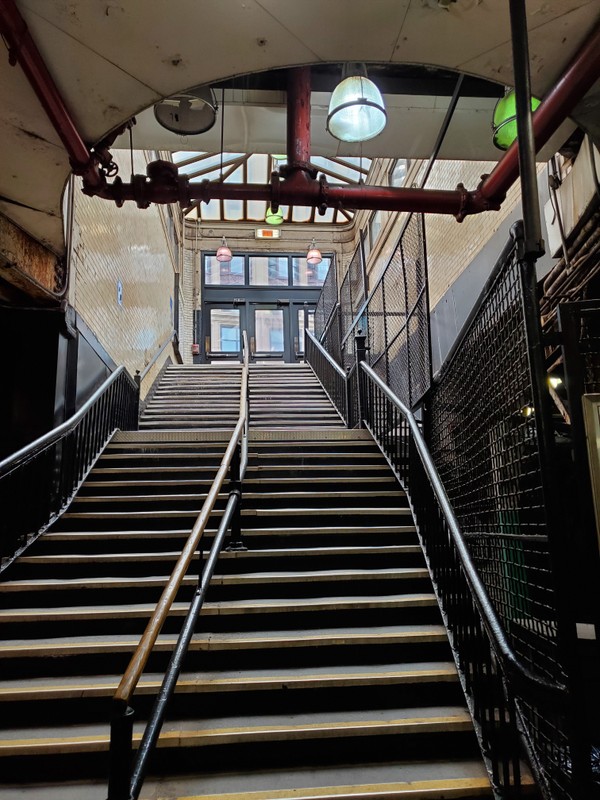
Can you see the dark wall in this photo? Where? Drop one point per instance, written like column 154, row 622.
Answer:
column 30, row 343
column 51, row 364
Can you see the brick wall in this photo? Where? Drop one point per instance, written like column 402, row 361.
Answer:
column 134, row 248
column 451, row 246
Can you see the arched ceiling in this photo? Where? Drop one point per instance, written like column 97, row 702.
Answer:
column 113, row 58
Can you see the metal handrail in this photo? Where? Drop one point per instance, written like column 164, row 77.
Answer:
column 123, row 784
column 141, row 375
column 32, row 449
column 325, row 354
column 512, row 667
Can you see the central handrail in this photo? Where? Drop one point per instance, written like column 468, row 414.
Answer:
column 507, row 657
column 121, row 783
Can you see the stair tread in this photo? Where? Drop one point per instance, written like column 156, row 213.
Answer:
column 84, row 558
column 389, row 721
column 236, row 680
column 217, row 580
column 295, row 604
column 383, row 635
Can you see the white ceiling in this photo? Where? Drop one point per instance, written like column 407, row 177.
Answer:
column 111, row 59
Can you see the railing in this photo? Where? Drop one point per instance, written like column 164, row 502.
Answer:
column 489, row 431
column 331, row 375
column 140, row 375
column 125, row 779
column 494, row 679
column 38, row 481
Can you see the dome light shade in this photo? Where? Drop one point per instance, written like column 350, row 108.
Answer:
column 313, row 257
column 274, row 217
column 224, row 253
column 188, row 113
column 504, row 124
column 356, row 110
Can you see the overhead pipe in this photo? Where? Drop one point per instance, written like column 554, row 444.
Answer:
column 299, row 186
column 23, row 50
column 574, row 83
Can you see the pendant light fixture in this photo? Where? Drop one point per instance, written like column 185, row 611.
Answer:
column 224, row 253
column 504, row 122
column 356, row 109
column 313, row 256
column 274, row 217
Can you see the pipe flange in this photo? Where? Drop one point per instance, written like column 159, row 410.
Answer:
column 138, row 185
column 465, row 197
column 323, row 195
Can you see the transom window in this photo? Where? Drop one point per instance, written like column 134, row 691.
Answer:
column 264, row 270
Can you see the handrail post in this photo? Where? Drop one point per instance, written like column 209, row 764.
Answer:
column 236, row 541
column 121, row 748
column 360, row 344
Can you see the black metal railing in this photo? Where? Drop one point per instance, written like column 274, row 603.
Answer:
column 494, row 679
column 39, row 481
column 394, row 316
column 128, row 771
column 490, row 434
column 327, row 300
column 332, row 376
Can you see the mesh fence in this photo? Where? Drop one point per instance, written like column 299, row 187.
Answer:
column 327, row 301
column 482, row 437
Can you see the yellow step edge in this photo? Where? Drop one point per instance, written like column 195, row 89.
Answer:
column 434, row 634
column 216, row 609
column 333, row 680
column 442, row 789
column 257, row 733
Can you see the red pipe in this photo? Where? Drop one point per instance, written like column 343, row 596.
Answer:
column 22, row 49
column 578, row 78
column 298, row 117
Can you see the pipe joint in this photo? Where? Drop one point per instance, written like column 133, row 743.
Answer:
column 275, row 193
column 323, row 202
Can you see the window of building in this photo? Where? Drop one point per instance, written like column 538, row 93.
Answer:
column 225, row 330
column 222, row 273
column 308, row 274
column 374, row 228
column 269, row 271
column 398, row 172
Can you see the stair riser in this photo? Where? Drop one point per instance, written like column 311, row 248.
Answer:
column 227, row 566
column 287, row 754
column 187, row 705
column 348, row 653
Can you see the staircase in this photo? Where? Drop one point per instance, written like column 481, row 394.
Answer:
column 320, row 666
column 192, row 397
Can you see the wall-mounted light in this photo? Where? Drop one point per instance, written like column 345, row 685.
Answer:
column 504, row 122
column 224, row 253
column 274, row 217
column 356, row 109
column 313, row 256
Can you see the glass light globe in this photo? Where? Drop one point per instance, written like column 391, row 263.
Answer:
column 274, row 217
column 356, row 110
column 224, row 253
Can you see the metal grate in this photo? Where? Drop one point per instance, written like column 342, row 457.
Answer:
column 327, row 301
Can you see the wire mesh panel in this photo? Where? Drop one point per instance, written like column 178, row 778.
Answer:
column 483, row 439
column 352, row 291
column 327, row 301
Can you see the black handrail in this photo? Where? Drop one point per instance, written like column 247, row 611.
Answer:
column 125, row 781
column 512, row 666
column 500, row 690
column 39, row 480
column 331, row 375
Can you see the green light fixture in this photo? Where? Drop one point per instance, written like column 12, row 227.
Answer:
column 504, row 123
column 274, row 217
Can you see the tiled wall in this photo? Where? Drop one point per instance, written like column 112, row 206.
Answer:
column 122, row 273
column 451, row 246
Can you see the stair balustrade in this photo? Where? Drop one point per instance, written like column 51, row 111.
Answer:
column 127, row 773
column 39, row 481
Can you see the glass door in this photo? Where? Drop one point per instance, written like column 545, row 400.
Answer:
column 269, row 332
column 222, row 331
column 303, row 316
